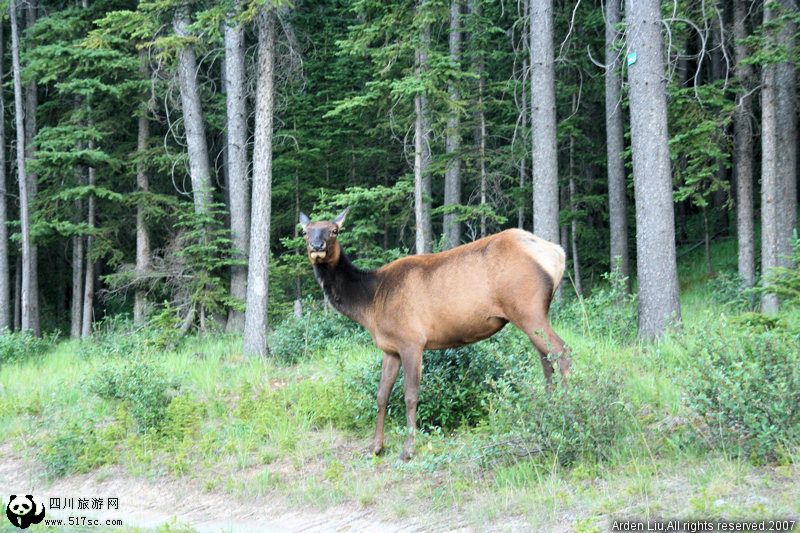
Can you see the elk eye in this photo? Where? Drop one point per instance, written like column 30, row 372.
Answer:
column 303, row 232
column 336, row 232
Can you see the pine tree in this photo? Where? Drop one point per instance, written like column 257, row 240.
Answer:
column 656, row 263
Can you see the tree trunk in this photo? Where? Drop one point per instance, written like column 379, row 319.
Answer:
column 27, row 323
column 76, row 313
column 573, row 208
column 31, row 105
column 452, row 179
column 617, row 190
column 88, row 284
column 743, row 148
column 482, row 144
column 656, row 263
column 543, row 123
column 199, row 170
column 5, row 270
column 770, row 179
column 719, row 72
column 255, row 329
column 236, row 123
column 18, row 294
column 422, row 150
column 522, row 165
column 143, row 186
column 786, row 126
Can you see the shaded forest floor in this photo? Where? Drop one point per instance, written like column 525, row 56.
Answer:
column 263, row 445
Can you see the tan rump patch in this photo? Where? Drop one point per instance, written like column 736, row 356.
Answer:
column 550, row 256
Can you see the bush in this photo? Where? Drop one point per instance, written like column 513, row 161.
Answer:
column 115, row 336
column 144, row 389
column 296, row 339
column 455, row 383
column 728, row 288
column 78, row 447
column 584, row 421
column 746, row 387
column 609, row 312
column 19, row 346
column 118, row 336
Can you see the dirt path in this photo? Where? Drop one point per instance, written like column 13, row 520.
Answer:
column 146, row 504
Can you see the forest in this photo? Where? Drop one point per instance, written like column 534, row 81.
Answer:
column 161, row 319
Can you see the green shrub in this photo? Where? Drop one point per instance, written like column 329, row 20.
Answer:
column 183, row 417
column 296, row 339
column 785, row 281
column 76, row 448
column 582, row 421
column 115, row 336
column 609, row 312
column 144, row 389
column 746, row 386
column 454, row 389
column 19, row 346
column 728, row 289
column 118, row 336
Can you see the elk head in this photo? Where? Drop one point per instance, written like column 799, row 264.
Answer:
column 321, row 238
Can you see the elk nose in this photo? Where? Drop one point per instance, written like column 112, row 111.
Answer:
column 318, row 246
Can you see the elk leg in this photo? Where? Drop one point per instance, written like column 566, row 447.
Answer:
column 412, row 373
column 546, row 342
column 389, row 370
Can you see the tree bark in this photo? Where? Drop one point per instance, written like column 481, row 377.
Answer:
column 5, row 270
column 786, row 125
column 255, row 329
column 199, row 169
column 76, row 312
column 770, row 179
column 422, row 149
column 88, row 284
column 143, row 186
column 31, row 105
column 544, row 156
column 236, row 148
column 18, row 294
column 27, row 323
column 452, row 179
column 522, row 165
column 659, row 306
column 617, row 190
column 573, row 208
column 743, row 148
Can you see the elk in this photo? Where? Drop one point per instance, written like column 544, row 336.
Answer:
column 441, row 300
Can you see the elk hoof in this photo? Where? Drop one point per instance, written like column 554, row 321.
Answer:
column 377, row 450
column 406, row 455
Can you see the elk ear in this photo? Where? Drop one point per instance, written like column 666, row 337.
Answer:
column 339, row 221
column 304, row 220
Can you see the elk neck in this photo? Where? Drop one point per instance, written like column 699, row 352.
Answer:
column 349, row 289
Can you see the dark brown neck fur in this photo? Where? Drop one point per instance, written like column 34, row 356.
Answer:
column 349, row 289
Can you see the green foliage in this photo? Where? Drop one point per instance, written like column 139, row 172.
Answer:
column 204, row 248
column 78, row 446
column 296, row 339
column 728, row 289
column 584, row 421
column 746, row 387
column 785, row 281
column 21, row 346
column 454, row 391
column 609, row 312
column 144, row 388
column 115, row 336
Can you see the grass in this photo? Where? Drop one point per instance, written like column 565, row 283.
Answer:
column 255, row 428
